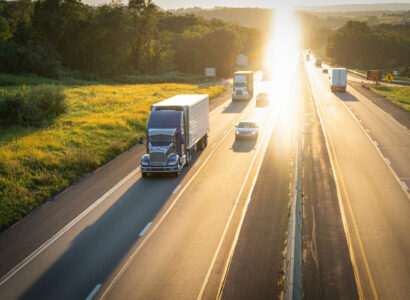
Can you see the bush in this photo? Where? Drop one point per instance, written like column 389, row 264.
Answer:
column 35, row 106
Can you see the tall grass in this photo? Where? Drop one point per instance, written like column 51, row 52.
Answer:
column 399, row 96
column 101, row 121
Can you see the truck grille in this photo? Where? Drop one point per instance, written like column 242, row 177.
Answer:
column 239, row 93
column 157, row 157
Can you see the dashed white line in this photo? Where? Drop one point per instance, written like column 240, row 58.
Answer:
column 376, row 143
column 93, row 292
column 145, row 229
column 388, row 160
column 176, row 189
column 46, row 244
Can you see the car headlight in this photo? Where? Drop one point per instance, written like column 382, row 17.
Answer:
column 145, row 160
column 172, row 160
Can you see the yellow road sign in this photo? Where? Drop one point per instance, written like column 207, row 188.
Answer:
column 389, row 77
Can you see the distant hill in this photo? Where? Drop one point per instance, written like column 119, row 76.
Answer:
column 260, row 18
column 357, row 7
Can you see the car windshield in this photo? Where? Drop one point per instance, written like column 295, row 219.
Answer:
column 247, row 125
column 161, row 138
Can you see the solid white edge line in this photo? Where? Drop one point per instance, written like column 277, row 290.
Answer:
column 50, row 241
column 359, row 122
column 159, row 222
column 205, row 282
column 145, row 229
column 93, row 292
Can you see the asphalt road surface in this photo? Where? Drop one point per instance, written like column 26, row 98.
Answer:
column 374, row 201
column 219, row 230
column 159, row 237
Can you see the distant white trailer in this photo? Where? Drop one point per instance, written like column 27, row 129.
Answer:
column 338, row 80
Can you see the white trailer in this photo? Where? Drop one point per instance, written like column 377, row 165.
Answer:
column 196, row 115
column 338, row 80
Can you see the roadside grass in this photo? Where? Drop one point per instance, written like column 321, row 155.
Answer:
column 399, row 96
column 101, row 121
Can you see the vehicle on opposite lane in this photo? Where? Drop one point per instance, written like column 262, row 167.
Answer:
column 247, row 129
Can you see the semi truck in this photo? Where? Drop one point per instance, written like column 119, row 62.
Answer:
column 242, row 85
column 318, row 63
column 176, row 128
column 338, row 79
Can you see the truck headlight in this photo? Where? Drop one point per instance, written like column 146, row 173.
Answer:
column 145, row 160
column 172, row 160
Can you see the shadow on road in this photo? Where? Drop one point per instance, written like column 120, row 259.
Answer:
column 244, row 145
column 346, row 97
column 95, row 252
column 235, row 107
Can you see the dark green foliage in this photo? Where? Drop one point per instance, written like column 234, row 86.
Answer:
column 33, row 106
column 360, row 46
column 66, row 38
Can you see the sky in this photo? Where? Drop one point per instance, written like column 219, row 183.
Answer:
column 174, row 4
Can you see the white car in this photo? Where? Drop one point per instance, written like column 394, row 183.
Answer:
column 247, row 130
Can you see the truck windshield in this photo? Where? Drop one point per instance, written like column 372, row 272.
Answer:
column 240, row 84
column 161, row 139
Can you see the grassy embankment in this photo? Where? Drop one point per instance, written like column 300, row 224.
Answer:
column 399, row 96
column 101, row 122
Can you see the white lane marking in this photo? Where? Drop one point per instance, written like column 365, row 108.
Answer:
column 367, row 130
column 145, row 229
column 388, row 160
column 233, row 122
column 176, row 189
column 375, row 143
column 162, row 218
column 213, row 146
column 225, row 131
column 264, row 147
column 406, row 192
column 405, row 185
column 93, row 292
column 40, row 249
column 44, row 246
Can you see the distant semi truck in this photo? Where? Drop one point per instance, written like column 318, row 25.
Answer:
column 338, row 80
column 242, row 85
column 307, row 57
column 318, row 63
column 176, row 128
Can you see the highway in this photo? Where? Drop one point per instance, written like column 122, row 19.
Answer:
column 220, row 229
column 370, row 157
column 160, row 237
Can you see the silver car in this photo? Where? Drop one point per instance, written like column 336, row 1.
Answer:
column 247, row 130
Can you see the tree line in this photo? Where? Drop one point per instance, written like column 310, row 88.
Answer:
column 55, row 38
column 359, row 45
